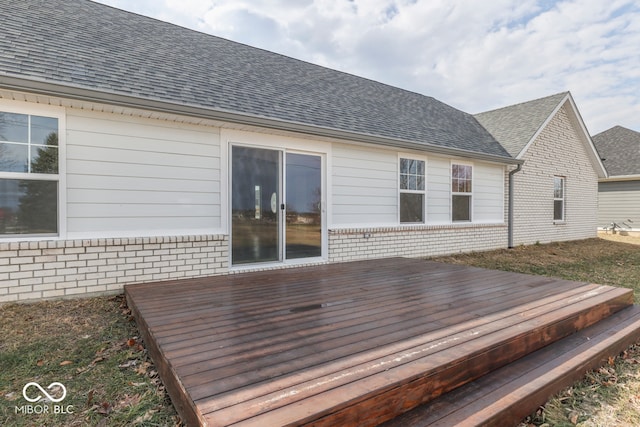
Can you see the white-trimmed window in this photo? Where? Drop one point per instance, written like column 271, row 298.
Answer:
column 461, row 192
column 29, row 175
column 558, row 198
column 412, row 190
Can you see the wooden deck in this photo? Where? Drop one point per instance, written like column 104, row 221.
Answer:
column 349, row 344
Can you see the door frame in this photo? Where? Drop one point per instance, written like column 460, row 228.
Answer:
column 284, row 144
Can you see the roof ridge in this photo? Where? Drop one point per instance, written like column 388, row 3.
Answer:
column 565, row 93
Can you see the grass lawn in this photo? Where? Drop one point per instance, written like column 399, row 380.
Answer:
column 91, row 346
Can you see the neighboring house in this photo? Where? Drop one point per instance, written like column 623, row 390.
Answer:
column 619, row 194
column 132, row 150
column 555, row 193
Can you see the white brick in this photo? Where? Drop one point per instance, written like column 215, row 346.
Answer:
column 53, row 293
column 8, row 298
column 44, row 287
column 96, row 289
column 29, row 253
column 30, row 295
column 20, row 275
column 21, row 260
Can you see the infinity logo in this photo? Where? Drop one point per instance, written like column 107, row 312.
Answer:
column 43, row 391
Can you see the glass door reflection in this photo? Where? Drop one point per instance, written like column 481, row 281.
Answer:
column 255, row 202
column 303, row 206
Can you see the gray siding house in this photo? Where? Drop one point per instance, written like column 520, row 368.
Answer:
column 619, row 194
column 133, row 150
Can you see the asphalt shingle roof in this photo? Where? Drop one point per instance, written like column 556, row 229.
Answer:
column 515, row 125
column 88, row 45
column 621, row 149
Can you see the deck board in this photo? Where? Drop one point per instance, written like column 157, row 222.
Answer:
column 319, row 344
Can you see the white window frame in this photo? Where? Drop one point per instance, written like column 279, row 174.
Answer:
column 401, row 191
column 458, row 193
column 8, row 106
column 562, row 199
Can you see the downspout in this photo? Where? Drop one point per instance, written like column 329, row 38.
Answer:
column 510, row 219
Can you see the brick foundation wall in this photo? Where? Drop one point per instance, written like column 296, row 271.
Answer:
column 55, row 269
column 418, row 241
column 35, row 270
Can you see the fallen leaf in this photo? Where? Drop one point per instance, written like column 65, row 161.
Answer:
column 90, row 397
column 140, row 347
column 573, row 417
column 137, row 384
column 97, row 359
column 105, row 408
column 142, row 369
column 128, row 364
column 131, row 342
column 146, row 417
column 612, row 360
column 66, row 362
column 40, row 362
column 130, row 400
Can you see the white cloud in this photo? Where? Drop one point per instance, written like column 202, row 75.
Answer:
column 472, row 55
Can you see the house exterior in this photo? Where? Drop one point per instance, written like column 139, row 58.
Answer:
column 132, row 150
column 555, row 192
column 619, row 193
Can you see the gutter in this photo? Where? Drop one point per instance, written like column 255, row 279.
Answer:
column 113, row 98
column 617, row 178
column 510, row 219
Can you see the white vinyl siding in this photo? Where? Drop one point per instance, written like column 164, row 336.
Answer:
column 488, row 193
column 364, row 186
column 438, row 191
column 132, row 176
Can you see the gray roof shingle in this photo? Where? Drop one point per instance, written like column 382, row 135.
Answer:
column 620, row 147
column 89, row 45
column 515, row 125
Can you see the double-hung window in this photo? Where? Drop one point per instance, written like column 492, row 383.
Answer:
column 28, row 174
column 558, row 198
column 412, row 190
column 461, row 186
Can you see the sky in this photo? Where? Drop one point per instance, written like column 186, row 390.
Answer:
column 473, row 55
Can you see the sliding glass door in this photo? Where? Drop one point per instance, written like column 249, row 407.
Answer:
column 304, row 206
column 255, row 201
column 276, row 205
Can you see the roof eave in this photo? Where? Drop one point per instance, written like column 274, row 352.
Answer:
column 106, row 97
